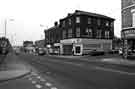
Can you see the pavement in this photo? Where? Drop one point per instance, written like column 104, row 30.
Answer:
column 11, row 69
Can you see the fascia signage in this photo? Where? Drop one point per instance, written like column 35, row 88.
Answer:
column 129, row 33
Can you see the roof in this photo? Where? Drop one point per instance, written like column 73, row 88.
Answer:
column 79, row 12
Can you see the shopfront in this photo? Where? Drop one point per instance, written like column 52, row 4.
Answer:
column 128, row 36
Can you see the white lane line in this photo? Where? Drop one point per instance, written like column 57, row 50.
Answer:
column 112, row 70
column 38, row 77
column 30, row 79
column 48, row 84
column 54, row 88
column 33, row 82
column 43, row 80
column 38, row 86
column 73, row 63
column 35, row 74
column 48, row 72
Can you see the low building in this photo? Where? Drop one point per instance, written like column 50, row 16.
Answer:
column 40, row 43
column 28, row 46
column 80, row 32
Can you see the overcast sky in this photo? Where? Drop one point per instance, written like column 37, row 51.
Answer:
column 27, row 15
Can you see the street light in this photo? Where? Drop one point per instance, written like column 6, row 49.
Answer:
column 5, row 22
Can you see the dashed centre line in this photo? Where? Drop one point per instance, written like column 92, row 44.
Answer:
column 38, row 86
column 48, row 84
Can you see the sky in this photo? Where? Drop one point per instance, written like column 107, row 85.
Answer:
column 25, row 17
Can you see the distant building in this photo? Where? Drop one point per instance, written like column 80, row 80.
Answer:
column 40, row 43
column 28, row 46
column 81, row 32
column 128, row 25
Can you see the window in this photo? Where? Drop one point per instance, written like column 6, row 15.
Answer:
column 89, row 20
column 112, row 24
column 99, row 33
column 64, row 34
column 98, row 22
column 107, row 33
column 107, row 23
column 63, row 24
column 88, row 32
column 69, row 33
column 78, row 32
column 69, row 21
column 77, row 19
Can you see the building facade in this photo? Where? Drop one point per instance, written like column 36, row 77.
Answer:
column 80, row 32
column 128, row 25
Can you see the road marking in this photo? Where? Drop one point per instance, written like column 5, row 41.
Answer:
column 113, row 70
column 33, row 82
column 30, row 78
column 48, row 84
column 73, row 63
column 38, row 77
column 38, row 86
column 54, row 88
column 48, row 72
column 43, row 80
column 35, row 74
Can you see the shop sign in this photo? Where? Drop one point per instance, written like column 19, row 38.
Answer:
column 129, row 33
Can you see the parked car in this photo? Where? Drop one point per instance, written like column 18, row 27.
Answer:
column 41, row 51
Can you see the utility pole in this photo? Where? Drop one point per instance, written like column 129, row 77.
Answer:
column 5, row 27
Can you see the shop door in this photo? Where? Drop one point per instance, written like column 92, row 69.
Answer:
column 67, row 49
column 77, row 50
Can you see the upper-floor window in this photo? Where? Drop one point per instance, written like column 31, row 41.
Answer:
column 88, row 32
column 64, row 34
column 69, row 21
column 89, row 20
column 99, row 33
column 77, row 32
column 133, row 18
column 107, row 23
column 98, row 22
column 107, row 34
column 77, row 19
column 112, row 24
column 69, row 33
column 63, row 24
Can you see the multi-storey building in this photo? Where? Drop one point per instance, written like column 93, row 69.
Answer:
column 128, row 25
column 80, row 32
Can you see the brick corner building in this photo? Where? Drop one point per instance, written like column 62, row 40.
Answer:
column 128, row 26
column 80, row 32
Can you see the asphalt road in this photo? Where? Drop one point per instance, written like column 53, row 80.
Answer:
column 70, row 74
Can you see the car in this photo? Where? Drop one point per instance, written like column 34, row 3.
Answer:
column 41, row 51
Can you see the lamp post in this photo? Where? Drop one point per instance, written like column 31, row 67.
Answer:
column 5, row 23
